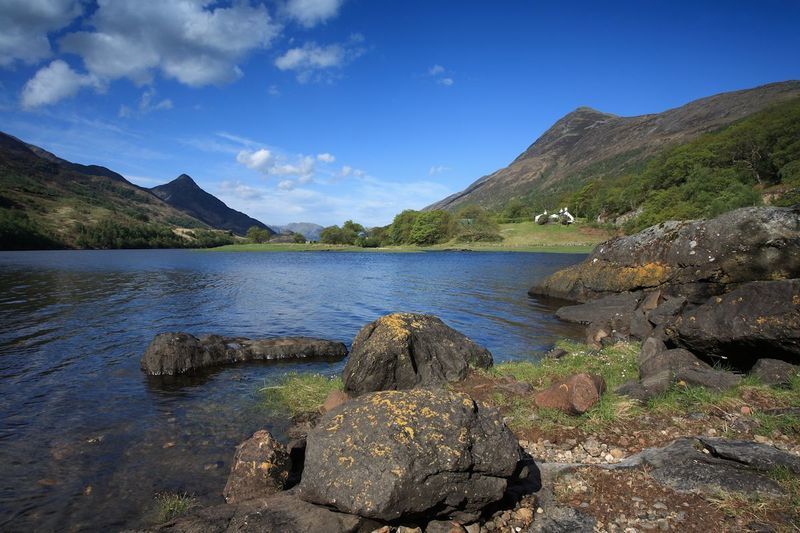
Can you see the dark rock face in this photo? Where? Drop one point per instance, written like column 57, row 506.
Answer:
column 178, row 353
column 602, row 310
column 574, row 395
column 409, row 454
column 260, row 468
column 710, row 465
column 283, row 512
column 699, row 376
column 774, row 371
column 696, row 259
column 755, row 320
column 407, row 350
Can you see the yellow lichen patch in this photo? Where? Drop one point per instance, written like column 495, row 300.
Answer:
column 265, row 465
column 336, row 423
column 379, row 450
column 397, row 325
column 796, row 299
column 346, row 461
column 397, row 471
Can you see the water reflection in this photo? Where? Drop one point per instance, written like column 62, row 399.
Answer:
column 86, row 439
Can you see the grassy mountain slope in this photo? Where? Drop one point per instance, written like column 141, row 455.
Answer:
column 185, row 195
column 588, row 145
column 46, row 202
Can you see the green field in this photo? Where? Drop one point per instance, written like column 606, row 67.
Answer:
column 520, row 237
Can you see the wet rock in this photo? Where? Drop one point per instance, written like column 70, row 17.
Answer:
column 178, row 353
column 774, row 371
column 283, row 512
column 260, row 468
column 406, row 454
column 574, row 395
column 335, row 399
column 696, row 259
column 407, row 350
column 717, row 380
column 710, row 465
column 755, row 319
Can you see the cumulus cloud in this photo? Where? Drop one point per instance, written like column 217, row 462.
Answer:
column 286, row 185
column 260, row 160
column 147, row 104
column 436, row 69
column 447, row 82
column 326, row 158
column 303, row 168
column 346, row 171
column 309, row 13
column 190, row 41
column 311, row 61
column 240, row 190
column 24, row 25
column 53, row 83
column 441, row 75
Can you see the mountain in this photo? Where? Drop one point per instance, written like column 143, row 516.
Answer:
column 587, row 144
column 185, row 195
column 308, row 230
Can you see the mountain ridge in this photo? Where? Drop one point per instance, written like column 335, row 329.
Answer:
column 586, row 137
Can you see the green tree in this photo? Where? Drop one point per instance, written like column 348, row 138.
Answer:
column 474, row 224
column 430, row 227
column 257, row 235
column 298, row 238
column 400, row 230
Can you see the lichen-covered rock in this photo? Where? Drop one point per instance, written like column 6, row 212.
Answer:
column 178, row 353
column 755, row 320
column 407, row 350
column 415, row 453
column 260, row 468
column 696, row 259
column 574, row 395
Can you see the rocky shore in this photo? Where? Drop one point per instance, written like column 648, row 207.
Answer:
column 680, row 412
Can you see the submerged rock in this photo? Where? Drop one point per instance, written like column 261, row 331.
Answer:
column 574, row 395
column 696, row 259
column 260, row 468
column 410, row 454
column 178, row 353
column 407, row 350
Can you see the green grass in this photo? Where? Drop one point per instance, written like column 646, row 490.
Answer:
column 300, row 393
column 617, row 364
column 171, row 505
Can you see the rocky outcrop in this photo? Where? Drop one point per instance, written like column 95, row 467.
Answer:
column 178, row 353
column 407, row 350
column 775, row 372
column 710, row 465
column 696, row 259
column 759, row 319
column 260, row 468
column 573, row 395
column 405, row 454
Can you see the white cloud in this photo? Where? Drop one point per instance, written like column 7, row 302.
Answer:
column 447, row 82
column 147, row 105
column 53, row 83
column 437, row 169
column 312, row 12
column 241, row 190
column 273, row 90
column 286, row 185
column 260, row 160
column 303, row 168
column 187, row 40
column 436, row 69
column 24, row 25
column 313, row 62
column 441, row 75
column 326, row 158
column 346, row 171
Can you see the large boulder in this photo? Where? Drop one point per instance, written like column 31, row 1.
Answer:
column 696, row 259
column 178, row 353
column 407, row 350
column 260, row 467
column 409, row 454
column 759, row 319
column 775, row 372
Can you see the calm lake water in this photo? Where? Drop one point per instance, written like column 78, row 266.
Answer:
column 87, row 440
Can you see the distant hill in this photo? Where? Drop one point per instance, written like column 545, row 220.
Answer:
column 588, row 145
column 185, row 195
column 308, row 230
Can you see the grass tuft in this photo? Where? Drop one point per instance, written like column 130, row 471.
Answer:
column 171, row 505
column 300, row 393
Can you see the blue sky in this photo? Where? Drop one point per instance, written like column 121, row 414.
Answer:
column 323, row 110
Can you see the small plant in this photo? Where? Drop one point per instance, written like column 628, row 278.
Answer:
column 300, row 393
column 171, row 505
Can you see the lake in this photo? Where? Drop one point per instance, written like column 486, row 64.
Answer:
column 87, row 440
